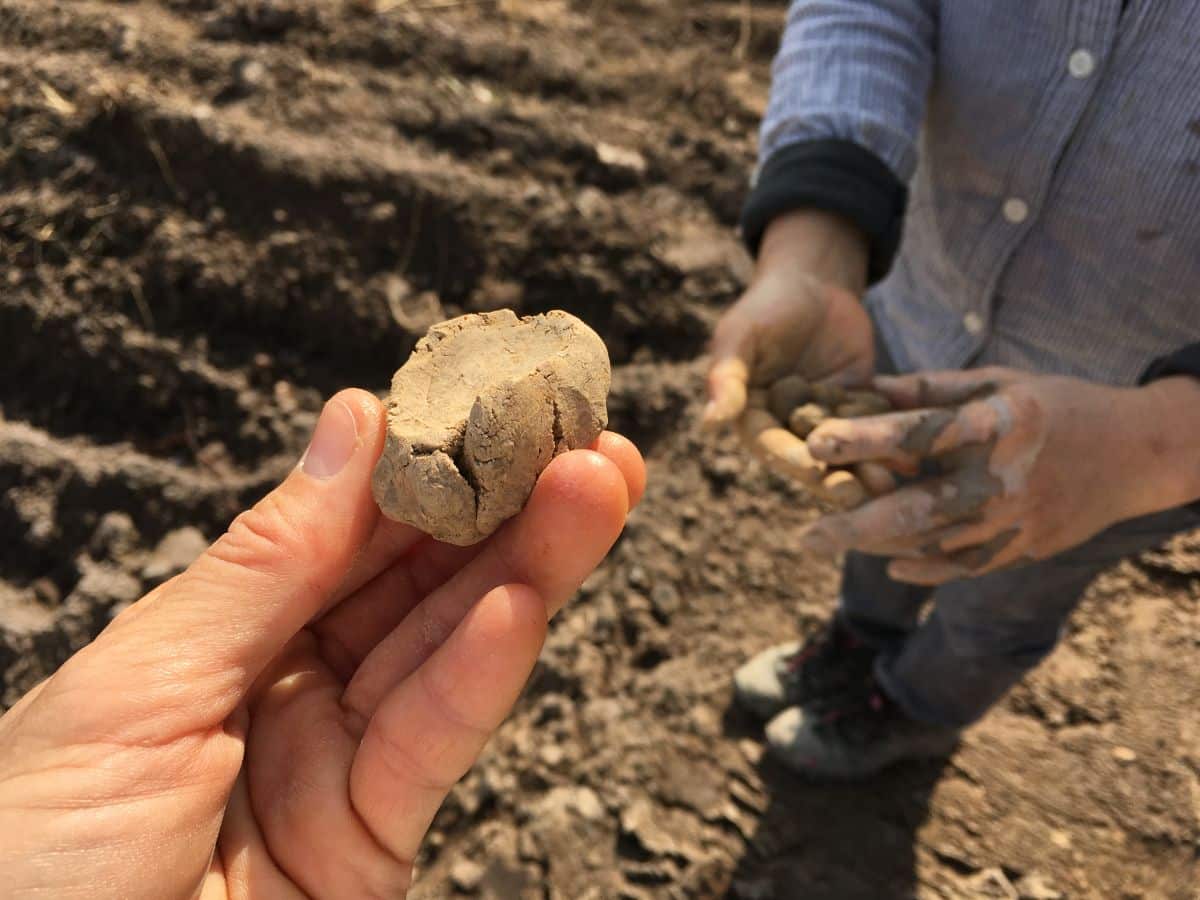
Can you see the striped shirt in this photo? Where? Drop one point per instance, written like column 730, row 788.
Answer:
column 1052, row 150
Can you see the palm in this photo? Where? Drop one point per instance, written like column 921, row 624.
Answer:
column 787, row 322
column 815, row 329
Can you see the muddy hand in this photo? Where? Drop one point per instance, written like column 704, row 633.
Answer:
column 285, row 717
column 1029, row 466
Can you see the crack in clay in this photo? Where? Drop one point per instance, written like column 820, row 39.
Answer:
column 463, row 466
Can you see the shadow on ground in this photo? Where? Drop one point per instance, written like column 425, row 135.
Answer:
column 832, row 841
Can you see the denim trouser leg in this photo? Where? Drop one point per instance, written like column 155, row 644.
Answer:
column 984, row 633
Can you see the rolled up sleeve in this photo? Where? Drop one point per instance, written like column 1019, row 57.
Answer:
column 840, row 133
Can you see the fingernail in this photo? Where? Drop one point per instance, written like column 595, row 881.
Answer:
column 885, row 381
column 819, row 445
column 333, row 442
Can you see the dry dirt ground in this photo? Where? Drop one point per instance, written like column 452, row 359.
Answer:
column 215, row 212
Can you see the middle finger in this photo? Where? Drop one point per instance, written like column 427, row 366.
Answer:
column 901, row 517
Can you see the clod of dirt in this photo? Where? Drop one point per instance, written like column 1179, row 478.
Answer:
column 249, row 75
column 174, row 553
column 479, row 410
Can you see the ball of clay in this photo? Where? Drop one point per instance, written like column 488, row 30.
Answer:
column 786, row 394
column 479, row 410
column 803, row 420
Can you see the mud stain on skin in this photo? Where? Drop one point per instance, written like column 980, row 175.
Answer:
column 921, row 437
column 977, row 558
column 973, row 485
column 927, row 396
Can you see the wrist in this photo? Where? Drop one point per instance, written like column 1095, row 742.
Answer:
column 1163, row 468
column 822, row 244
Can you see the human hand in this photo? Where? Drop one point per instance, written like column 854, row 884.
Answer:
column 285, row 717
column 800, row 315
column 1030, row 465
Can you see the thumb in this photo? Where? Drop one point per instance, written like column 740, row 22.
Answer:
column 729, row 373
column 237, row 606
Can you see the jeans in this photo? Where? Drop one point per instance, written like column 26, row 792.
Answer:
column 982, row 634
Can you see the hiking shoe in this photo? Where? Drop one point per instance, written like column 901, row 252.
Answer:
column 830, row 663
column 860, row 736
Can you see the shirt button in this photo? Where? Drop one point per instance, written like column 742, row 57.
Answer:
column 973, row 323
column 1016, row 210
column 1081, row 64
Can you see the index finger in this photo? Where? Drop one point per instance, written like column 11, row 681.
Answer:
column 904, row 515
column 909, row 435
column 951, row 388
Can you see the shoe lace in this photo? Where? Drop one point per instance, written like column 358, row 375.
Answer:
column 858, row 720
column 808, row 665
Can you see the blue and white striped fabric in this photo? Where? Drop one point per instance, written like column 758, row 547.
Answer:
column 1053, row 154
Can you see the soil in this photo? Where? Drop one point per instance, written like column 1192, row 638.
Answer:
column 214, row 213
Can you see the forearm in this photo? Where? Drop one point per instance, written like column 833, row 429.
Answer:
column 824, row 245
column 1164, row 444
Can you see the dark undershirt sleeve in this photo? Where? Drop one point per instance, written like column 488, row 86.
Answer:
column 833, row 176
column 1185, row 361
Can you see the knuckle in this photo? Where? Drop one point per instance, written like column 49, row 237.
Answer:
column 273, row 533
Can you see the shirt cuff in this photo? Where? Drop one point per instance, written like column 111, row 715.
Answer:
column 1181, row 362
column 834, row 176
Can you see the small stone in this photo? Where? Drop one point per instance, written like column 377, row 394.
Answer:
column 174, row 553
column 1124, row 755
column 1034, row 886
column 844, row 489
column 587, row 803
column 828, row 395
column 638, row 579
column 804, row 419
column 466, row 875
column 705, row 720
column 115, row 536
column 551, row 755
column 249, row 75
column 622, row 158
column 991, row 883
column 665, row 599
column 124, row 42
column 106, row 586
column 786, row 394
column 724, row 469
column 640, row 821
column 479, row 410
